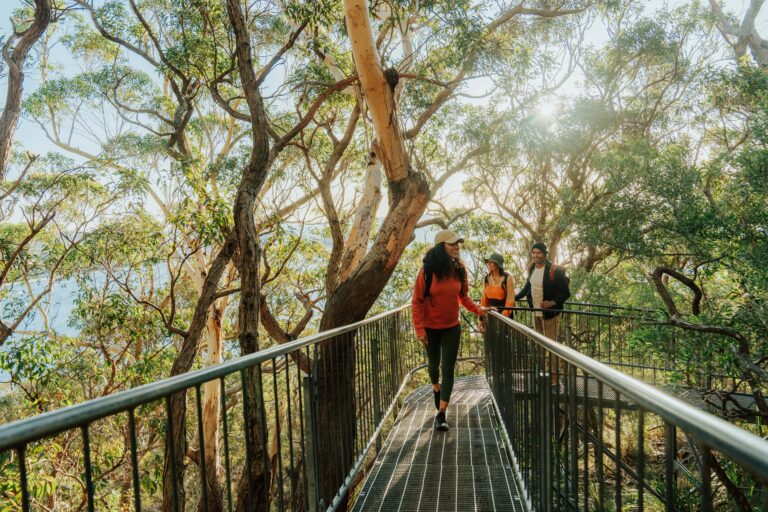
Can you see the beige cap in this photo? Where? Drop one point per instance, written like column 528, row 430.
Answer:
column 448, row 237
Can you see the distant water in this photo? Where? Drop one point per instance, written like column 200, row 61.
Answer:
column 58, row 306
column 60, row 303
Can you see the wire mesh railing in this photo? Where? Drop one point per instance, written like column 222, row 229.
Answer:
column 587, row 436
column 639, row 342
column 287, row 428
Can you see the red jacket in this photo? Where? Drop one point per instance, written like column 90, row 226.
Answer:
column 440, row 310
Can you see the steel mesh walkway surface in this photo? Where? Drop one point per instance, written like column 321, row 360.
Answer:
column 464, row 469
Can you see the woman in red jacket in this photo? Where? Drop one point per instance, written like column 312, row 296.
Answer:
column 440, row 287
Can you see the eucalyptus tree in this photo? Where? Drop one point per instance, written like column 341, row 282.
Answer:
column 545, row 170
column 360, row 262
column 49, row 206
column 47, row 203
column 697, row 228
column 742, row 35
column 469, row 33
column 149, row 127
column 119, row 343
column 117, row 116
column 16, row 48
column 181, row 129
column 350, row 297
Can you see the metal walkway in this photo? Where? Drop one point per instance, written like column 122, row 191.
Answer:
column 464, row 469
column 599, row 438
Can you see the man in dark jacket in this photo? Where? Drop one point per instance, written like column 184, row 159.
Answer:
column 546, row 289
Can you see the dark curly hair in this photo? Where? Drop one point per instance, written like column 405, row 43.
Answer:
column 439, row 264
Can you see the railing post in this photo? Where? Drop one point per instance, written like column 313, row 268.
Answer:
column 568, row 333
column 670, row 453
column 310, row 444
column 545, row 441
column 376, row 375
column 394, row 356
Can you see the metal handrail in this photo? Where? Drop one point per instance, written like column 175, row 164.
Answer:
column 21, row 432
column 741, row 446
column 613, row 306
column 738, row 444
column 664, row 363
column 312, row 468
column 606, row 306
column 592, row 305
column 573, row 311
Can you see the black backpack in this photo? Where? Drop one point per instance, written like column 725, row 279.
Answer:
column 428, row 281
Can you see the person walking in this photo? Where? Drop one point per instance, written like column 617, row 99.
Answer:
column 498, row 287
column 546, row 290
column 440, row 287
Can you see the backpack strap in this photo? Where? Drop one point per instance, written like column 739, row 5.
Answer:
column 552, row 269
column 503, row 282
column 504, row 278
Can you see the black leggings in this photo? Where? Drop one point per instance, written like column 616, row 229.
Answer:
column 442, row 350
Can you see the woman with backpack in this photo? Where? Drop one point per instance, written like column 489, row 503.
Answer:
column 498, row 286
column 440, row 287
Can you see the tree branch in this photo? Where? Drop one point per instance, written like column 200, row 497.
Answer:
column 667, row 298
column 14, row 91
column 378, row 92
column 262, row 74
column 34, row 230
column 285, row 139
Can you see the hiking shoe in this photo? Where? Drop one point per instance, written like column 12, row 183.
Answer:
column 437, row 399
column 440, row 423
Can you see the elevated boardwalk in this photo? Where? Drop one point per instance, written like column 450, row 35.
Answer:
column 599, row 438
column 464, row 469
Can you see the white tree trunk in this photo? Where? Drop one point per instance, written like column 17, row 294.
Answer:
column 364, row 219
column 212, row 394
column 379, row 96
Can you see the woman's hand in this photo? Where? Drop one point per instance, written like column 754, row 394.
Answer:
column 422, row 339
column 483, row 310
